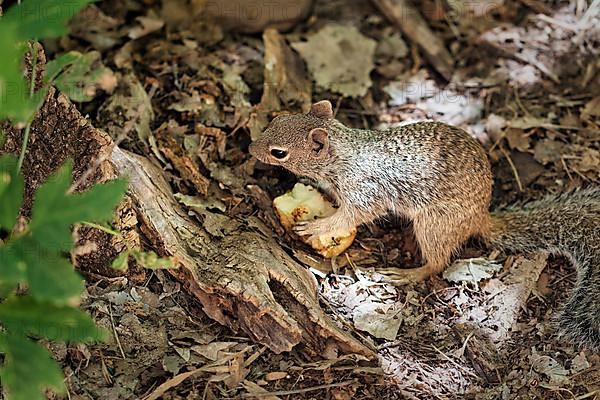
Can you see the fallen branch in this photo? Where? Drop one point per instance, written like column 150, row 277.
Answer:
column 411, row 23
column 242, row 278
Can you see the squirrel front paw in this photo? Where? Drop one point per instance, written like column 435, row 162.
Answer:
column 312, row 229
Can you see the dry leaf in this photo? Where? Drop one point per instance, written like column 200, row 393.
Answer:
column 148, row 24
column 212, row 350
column 380, row 320
column 275, row 375
column 592, row 108
column 546, row 151
column 548, row 366
column 517, row 139
column 471, row 270
column 340, row 59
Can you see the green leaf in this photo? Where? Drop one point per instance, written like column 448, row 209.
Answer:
column 12, row 264
column 59, row 64
column 149, row 259
column 15, row 102
column 11, row 191
column 40, row 19
column 54, row 211
column 32, row 19
column 24, row 315
column 50, row 275
column 121, row 263
column 146, row 259
column 79, row 75
column 42, row 267
column 28, row 369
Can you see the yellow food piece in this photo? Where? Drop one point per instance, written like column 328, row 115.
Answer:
column 305, row 203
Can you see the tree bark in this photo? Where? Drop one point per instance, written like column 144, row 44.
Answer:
column 243, row 278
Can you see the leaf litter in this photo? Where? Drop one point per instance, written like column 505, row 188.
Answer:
column 191, row 96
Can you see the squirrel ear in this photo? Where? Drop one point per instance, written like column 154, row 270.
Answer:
column 322, row 109
column 319, row 140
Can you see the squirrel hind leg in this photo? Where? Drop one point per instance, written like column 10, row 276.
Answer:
column 441, row 233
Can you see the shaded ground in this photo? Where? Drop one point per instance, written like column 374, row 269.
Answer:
column 190, row 97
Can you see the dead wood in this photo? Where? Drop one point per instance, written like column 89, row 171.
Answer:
column 243, row 279
column 406, row 17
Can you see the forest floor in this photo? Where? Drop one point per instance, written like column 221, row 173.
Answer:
column 521, row 76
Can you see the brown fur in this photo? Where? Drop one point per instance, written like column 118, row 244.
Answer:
column 438, row 176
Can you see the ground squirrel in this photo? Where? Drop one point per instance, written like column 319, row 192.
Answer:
column 439, row 177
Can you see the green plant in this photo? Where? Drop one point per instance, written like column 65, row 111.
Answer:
column 39, row 289
column 35, row 258
column 30, row 20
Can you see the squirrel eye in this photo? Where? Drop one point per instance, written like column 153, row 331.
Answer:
column 279, row 154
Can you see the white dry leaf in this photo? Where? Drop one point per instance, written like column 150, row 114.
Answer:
column 549, row 367
column 461, row 299
column 380, row 320
column 411, row 89
column 354, row 295
column 494, row 125
column 471, row 270
column 518, row 73
column 340, row 59
column 579, row 363
column 454, row 108
column 442, row 104
column 119, row 298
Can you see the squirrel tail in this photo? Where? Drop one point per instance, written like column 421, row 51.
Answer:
column 567, row 224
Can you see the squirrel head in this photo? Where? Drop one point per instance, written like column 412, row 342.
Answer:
column 297, row 142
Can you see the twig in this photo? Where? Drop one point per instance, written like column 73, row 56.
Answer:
column 587, row 395
column 24, row 146
column 114, row 329
column 464, row 345
column 512, row 167
column 457, row 365
column 564, row 163
column 296, row 391
column 588, row 14
column 409, row 20
column 558, row 23
column 34, row 55
column 177, row 379
column 254, row 356
column 537, row 6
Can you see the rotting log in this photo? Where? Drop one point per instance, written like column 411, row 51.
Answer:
column 243, row 279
